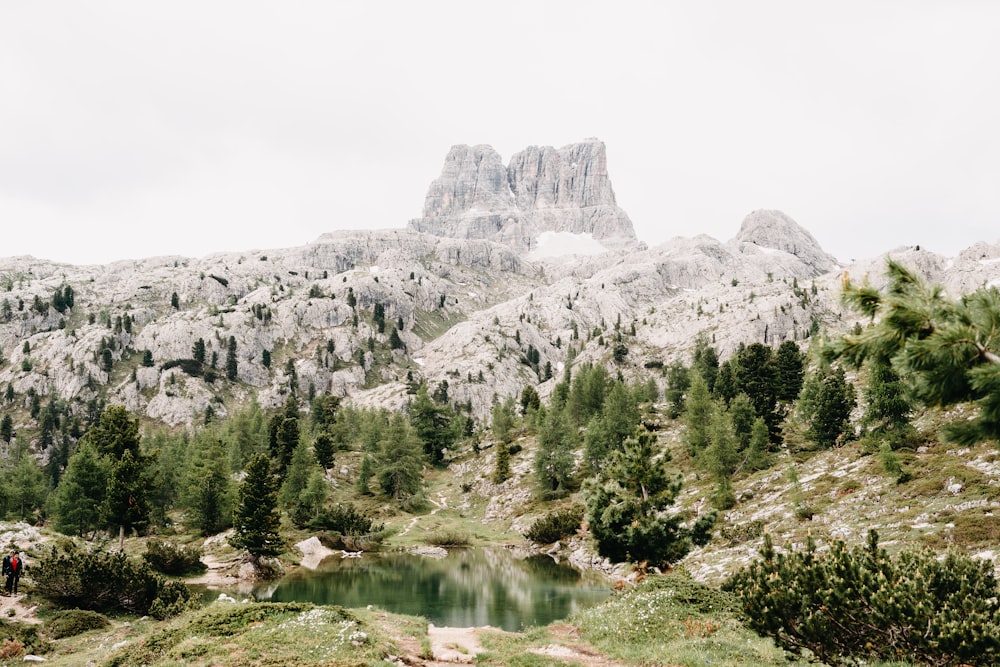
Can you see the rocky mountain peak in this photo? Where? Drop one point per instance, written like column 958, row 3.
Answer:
column 777, row 231
column 473, row 179
column 542, row 189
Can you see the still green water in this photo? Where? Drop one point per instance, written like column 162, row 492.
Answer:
column 469, row 587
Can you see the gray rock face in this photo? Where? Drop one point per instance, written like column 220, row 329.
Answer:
column 473, row 180
column 542, row 189
column 775, row 230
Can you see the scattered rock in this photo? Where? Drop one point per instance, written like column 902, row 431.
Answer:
column 313, row 552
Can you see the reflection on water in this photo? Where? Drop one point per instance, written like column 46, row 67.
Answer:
column 470, row 587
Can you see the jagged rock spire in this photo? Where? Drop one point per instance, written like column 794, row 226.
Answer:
column 542, row 189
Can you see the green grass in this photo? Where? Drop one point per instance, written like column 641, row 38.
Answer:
column 672, row 615
column 430, row 325
column 228, row 634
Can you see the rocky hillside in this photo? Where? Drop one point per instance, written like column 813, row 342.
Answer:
column 461, row 296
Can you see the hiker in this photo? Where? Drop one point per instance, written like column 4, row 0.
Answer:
column 12, row 565
column 6, row 566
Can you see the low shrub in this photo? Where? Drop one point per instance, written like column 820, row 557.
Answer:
column 11, row 649
column 72, row 622
column 174, row 560
column 20, row 638
column 449, row 538
column 346, row 519
column 103, row 581
column 554, row 526
column 860, row 604
column 189, row 366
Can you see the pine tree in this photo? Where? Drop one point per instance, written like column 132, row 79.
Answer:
column 530, row 401
column 503, row 432
column 211, row 505
column 721, row 459
column 627, row 503
column 829, row 407
column 365, row 473
column 755, row 375
column 887, row 406
column 107, row 362
column 313, row 498
column 198, row 351
column 606, row 432
column 114, row 433
column 25, row 488
column 554, row 456
column 947, row 351
column 283, row 434
column 743, row 418
column 859, row 605
column 300, row 468
column 725, row 382
column 323, row 448
column 705, row 361
column 399, row 466
column 501, row 466
column 789, row 371
column 757, row 451
column 255, row 517
column 678, row 382
column 77, row 500
column 698, row 416
column 432, row 424
column 208, row 492
column 395, row 342
column 232, row 364
column 125, row 504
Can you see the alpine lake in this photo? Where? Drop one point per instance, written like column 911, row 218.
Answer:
column 468, row 587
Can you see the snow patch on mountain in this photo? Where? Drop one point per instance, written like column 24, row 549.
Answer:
column 565, row 244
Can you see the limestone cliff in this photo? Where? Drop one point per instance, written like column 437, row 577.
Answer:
column 542, row 189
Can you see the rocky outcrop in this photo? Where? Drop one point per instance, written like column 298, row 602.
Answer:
column 542, row 189
column 777, row 231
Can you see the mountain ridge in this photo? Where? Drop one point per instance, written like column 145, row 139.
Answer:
column 468, row 310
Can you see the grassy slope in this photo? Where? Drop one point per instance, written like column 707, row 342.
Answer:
column 950, row 501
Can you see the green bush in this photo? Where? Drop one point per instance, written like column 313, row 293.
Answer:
column 346, row 519
column 859, row 604
column 21, row 638
column 554, row 526
column 103, row 581
column 174, row 560
column 72, row 622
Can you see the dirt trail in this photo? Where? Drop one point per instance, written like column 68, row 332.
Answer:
column 451, row 646
column 21, row 612
column 438, row 506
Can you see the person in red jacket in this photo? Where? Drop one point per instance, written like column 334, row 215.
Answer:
column 12, row 566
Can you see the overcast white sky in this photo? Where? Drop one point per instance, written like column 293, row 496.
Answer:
column 131, row 129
